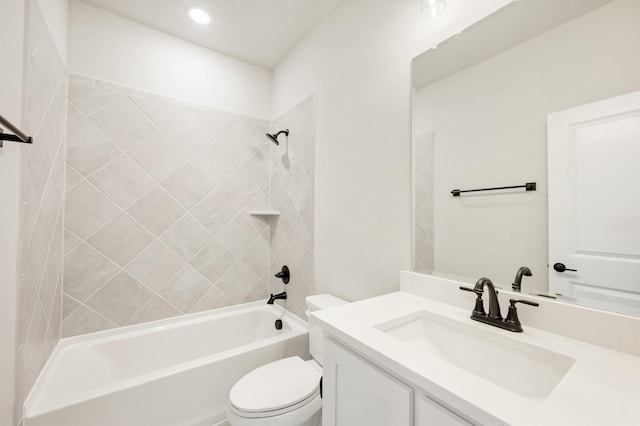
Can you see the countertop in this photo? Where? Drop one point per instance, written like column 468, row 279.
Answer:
column 601, row 388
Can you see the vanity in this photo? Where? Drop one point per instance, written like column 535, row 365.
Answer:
column 406, row 358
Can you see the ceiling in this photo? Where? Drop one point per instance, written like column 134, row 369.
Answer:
column 260, row 32
column 513, row 24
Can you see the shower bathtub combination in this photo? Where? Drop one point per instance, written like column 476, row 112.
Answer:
column 177, row 371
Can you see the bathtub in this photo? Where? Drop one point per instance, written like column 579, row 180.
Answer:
column 172, row 372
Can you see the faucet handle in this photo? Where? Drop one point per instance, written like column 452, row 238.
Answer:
column 479, row 308
column 512, row 317
column 524, row 302
column 472, row 290
column 284, row 274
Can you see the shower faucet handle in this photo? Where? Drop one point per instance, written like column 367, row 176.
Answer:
column 284, row 274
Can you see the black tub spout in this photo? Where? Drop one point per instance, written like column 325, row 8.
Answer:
column 275, row 297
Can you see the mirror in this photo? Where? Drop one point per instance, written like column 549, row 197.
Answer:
column 484, row 107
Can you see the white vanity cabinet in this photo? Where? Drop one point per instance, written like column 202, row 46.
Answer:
column 430, row 413
column 356, row 392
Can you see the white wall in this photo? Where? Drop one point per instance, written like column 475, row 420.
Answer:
column 490, row 130
column 107, row 47
column 11, row 52
column 358, row 61
column 56, row 15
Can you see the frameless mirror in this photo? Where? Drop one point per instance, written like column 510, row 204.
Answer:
column 542, row 92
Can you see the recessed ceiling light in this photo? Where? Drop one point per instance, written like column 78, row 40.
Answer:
column 433, row 8
column 199, row 16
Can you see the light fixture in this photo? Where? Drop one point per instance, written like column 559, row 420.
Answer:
column 433, row 8
column 199, row 16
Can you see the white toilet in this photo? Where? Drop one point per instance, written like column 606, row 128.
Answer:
column 284, row 392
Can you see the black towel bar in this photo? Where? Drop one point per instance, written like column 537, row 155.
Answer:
column 530, row 186
column 17, row 135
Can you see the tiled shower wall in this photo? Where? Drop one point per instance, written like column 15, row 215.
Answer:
column 42, row 186
column 424, row 152
column 293, row 194
column 157, row 201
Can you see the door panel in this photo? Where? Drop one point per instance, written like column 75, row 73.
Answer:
column 357, row 393
column 594, row 207
column 430, row 413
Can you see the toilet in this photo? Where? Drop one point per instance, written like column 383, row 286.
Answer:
column 284, row 392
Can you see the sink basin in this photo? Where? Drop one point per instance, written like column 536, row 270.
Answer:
column 522, row 368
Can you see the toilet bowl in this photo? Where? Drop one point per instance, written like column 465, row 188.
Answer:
column 284, row 392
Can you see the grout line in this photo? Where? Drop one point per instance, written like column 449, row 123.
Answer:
column 165, row 98
column 113, row 324
column 47, row 108
column 119, row 96
column 154, row 293
column 236, row 259
column 44, row 41
column 29, row 329
column 49, row 253
column 82, row 178
column 48, row 182
column 64, row 293
column 64, row 209
column 122, row 269
column 50, row 174
column 159, row 184
column 110, row 277
column 38, row 280
column 144, row 305
column 185, row 161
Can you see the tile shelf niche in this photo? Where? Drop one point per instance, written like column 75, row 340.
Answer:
column 264, row 213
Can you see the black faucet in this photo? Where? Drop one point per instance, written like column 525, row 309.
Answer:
column 494, row 305
column 275, row 297
column 494, row 318
column 517, row 282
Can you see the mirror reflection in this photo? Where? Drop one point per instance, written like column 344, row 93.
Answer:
column 541, row 92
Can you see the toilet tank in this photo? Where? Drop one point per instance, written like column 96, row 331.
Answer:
column 316, row 303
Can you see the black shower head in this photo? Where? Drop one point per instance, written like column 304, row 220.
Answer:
column 274, row 136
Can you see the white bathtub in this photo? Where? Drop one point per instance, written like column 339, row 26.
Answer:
column 171, row 372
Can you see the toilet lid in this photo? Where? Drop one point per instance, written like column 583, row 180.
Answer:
column 275, row 386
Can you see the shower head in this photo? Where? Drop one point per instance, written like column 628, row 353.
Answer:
column 274, row 136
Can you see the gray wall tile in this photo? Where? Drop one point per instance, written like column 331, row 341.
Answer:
column 39, row 301
column 153, row 180
column 186, row 181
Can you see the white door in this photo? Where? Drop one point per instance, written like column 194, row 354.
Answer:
column 594, row 203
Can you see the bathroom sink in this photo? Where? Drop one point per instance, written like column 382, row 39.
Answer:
column 522, row 368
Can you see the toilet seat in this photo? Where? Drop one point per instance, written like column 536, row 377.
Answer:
column 276, row 388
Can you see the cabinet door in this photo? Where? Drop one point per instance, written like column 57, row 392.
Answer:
column 357, row 393
column 430, row 413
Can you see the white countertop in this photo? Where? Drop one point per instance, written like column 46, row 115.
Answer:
column 601, row 388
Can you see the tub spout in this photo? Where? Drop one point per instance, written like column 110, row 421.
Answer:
column 275, row 297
